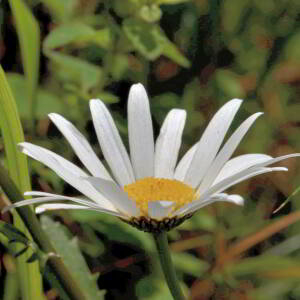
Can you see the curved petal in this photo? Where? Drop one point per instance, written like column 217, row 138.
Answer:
column 240, row 163
column 117, row 196
column 159, row 209
column 66, row 170
column 168, row 144
column 277, row 159
column 236, row 199
column 47, row 199
column 56, row 206
column 80, row 146
column 226, row 152
column 140, row 132
column 185, row 163
column 236, row 178
column 74, row 199
column 111, row 144
column 210, row 142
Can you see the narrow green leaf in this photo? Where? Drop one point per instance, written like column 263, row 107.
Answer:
column 70, row 253
column 189, row 264
column 77, row 32
column 73, row 69
column 66, row 34
column 13, row 233
column 172, row 52
column 29, row 38
column 289, row 198
column 29, row 275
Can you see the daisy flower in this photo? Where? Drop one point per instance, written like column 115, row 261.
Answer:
column 150, row 189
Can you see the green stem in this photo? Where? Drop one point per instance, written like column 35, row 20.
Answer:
column 38, row 235
column 161, row 241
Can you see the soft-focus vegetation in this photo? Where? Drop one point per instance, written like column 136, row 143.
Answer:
column 195, row 55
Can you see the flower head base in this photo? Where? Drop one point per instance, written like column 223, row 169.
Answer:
column 171, row 192
column 149, row 188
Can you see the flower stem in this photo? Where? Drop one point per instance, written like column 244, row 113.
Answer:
column 161, row 241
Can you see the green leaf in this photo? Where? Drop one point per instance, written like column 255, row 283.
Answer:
column 153, row 288
column 66, row 34
column 69, row 251
column 13, row 233
column 172, row 52
column 108, row 97
column 119, row 65
column 30, row 279
column 46, row 101
column 229, row 84
column 189, row 264
column 291, row 49
column 151, row 41
column 13, row 134
column 76, row 32
column 29, row 38
column 72, row 69
column 62, row 11
column 146, row 38
column 289, row 198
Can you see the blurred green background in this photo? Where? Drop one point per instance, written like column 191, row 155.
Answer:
column 195, row 55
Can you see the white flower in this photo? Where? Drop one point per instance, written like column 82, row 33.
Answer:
column 150, row 189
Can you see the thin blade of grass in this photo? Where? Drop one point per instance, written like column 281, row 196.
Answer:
column 29, row 275
column 29, row 38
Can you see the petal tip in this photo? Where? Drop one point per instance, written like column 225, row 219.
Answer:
column 39, row 210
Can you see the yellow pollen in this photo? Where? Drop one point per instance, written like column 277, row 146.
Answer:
column 159, row 189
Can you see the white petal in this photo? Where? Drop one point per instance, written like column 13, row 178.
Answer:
column 66, row 170
column 226, row 152
column 111, row 144
column 80, row 146
column 236, row 178
column 140, row 132
column 159, row 209
column 196, row 205
column 236, row 199
column 44, row 155
column 210, row 142
column 239, row 163
column 118, row 197
column 277, row 159
column 168, row 144
column 56, row 206
column 60, row 197
column 184, row 163
column 46, row 199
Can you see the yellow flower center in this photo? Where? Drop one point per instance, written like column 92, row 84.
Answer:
column 159, row 189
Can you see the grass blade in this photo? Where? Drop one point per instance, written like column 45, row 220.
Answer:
column 29, row 38
column 29, row 276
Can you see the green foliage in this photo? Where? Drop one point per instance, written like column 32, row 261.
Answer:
column 190, row 54
column 29, row 39
column 12, row 132
column 67, row 248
